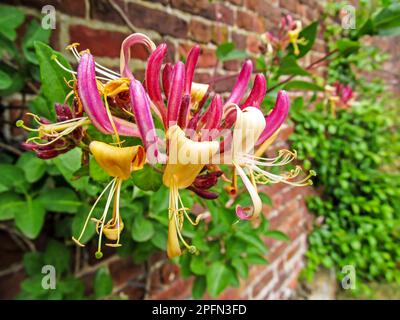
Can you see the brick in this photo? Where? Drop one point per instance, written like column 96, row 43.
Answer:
column 236, row 2
column 260, row 6
column 102, row 10
column 200, row 31
column 207, row 58
column 290, row 5
column 250, row 21
column 94, row 40
column 253, row 43
column 160, row 21
column 262, row 283
column 239, row 40
column 124, row 270
column 73, row 8
column 220, row 33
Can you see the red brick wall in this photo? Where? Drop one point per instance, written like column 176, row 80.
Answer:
column 181, row 23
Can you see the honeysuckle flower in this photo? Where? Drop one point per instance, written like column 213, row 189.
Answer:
column 118, row 163
column 288, row 33
column 251, row 129
column 53, row 139
column 339, row 95
column 186, row 160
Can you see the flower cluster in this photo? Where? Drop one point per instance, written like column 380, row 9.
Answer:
column 203, row 133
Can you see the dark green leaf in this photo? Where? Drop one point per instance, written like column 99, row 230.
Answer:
column 218, row 278
column 57, row 255
column 102, row 283
column 309, row 33
column 60, row 200
column 5, row 80
column 33, row 167
column 10, row 19
column 9, row 204
column 147, row 179
column 199, row 287
column 302, row 85
column 289, row 66
column 276, row 234
column 142, row 229
column 30, row 217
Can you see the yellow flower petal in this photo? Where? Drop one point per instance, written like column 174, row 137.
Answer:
column 118, row 162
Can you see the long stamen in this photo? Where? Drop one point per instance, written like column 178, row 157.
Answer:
column 77, row 241
column 99, row 254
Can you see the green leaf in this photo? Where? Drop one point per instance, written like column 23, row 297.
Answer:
column 33, row 263
column 309, row 33
column 346, row 46
column 160, row 237
column 5, row 80
column 34, row 32
column 142, row 229
column 253, row 240
column 9, row 204
column 102, row 283
column 96, row 172
column 241, row 267
column 199, row 287
column 12, row 177
column 289, row 66
column 218, row 278
column 57, row 255
column 68, row 163
column 302, row 85
column 10, row 19
column 60, row 200
column 29, row 217
column 276, row 234
column 198, row 265
column 224, row 48
column 52, row 76
column 40, row 106
column 147, row 179
column 34, row 168
column 265, row 198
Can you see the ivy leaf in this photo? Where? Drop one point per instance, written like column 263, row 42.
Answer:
column 289, row 66
column 147, row 179
column 218, row 278
column 34, row 168
column 276, row 234
column 142, row 229
column 29, row 217
column 9, row 204
column 60, row 200
column 10, row 19
column 309, row 33
column 53, row 77
column 102, row 284
column 5, row 80
column 199, row 287
column 302, row 85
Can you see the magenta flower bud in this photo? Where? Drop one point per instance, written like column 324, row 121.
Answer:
column 204, row 193
column 211, row 118
column 257, row 93
column 276, row 117
column 63, row 112
column 241, row 84
column 48, row 154
column 176, row 91
column 206, row 181
column 191, row 63
column 93, row 104
column 141, row 109
column 184, row 111
column 166, row 78
column 153, row 79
